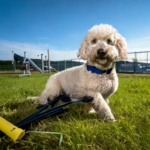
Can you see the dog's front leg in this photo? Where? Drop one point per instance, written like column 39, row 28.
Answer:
column 102, row 108
column 107, row 101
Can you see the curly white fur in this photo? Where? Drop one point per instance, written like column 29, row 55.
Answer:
column 100, row 48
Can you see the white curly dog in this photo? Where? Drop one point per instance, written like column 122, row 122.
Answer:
column 97, row 78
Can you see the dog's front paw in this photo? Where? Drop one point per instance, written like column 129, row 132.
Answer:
column 92, row 111
column 110, row 119
column 43, row 99
column 33, row 99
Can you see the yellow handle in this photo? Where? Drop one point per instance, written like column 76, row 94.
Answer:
column 11, row 130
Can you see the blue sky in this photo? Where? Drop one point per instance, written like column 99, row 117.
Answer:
column 60, row 25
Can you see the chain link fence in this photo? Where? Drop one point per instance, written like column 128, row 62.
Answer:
column 138, row 62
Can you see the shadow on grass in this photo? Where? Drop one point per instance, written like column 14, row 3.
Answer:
column 16, row 111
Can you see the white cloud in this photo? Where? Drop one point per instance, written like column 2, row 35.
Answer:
column 33, row 50
column 138, row 45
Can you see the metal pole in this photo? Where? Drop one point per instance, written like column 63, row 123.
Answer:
column 13, row 61
column 49, row 67
column 45, row 63
column 42, row 62
column 25, row 54
column 38, row 60
column 27, row 63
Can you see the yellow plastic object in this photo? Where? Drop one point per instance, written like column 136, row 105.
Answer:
column 11, row 130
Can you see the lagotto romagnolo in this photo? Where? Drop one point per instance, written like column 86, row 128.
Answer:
column 102, row 46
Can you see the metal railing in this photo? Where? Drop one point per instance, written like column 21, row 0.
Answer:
column 138, row 62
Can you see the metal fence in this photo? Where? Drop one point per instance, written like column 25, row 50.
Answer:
column 138, row 62
column 7, row 65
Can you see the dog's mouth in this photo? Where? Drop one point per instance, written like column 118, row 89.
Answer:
column 102, row 60
column 101, row 57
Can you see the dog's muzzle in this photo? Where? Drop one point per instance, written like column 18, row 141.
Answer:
column 101, row 53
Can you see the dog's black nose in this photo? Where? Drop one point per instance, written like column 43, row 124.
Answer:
column 101, row 52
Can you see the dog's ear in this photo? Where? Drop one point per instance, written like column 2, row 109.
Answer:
column 82, row 51
column 122, row 48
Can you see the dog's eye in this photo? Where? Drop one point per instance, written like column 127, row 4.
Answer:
column 109, row 41
column 93, row 41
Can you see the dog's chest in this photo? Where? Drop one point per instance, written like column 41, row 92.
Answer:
column 105, row 84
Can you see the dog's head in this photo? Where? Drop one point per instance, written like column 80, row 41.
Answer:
column 102, row 45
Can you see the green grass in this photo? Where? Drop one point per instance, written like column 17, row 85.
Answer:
column 81, row 131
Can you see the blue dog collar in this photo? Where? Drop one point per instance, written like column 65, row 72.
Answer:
column 98, row 71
